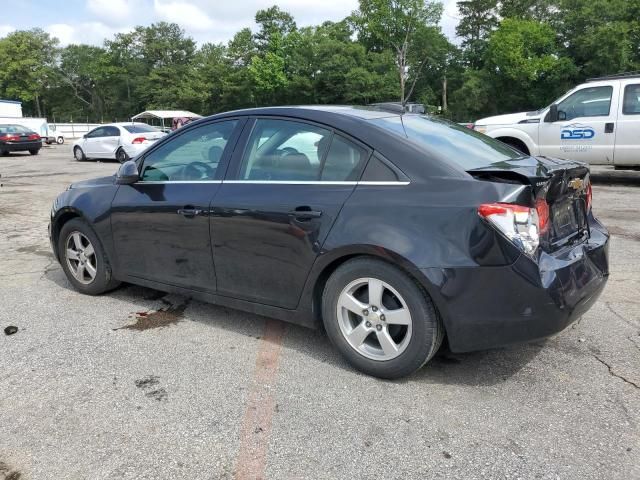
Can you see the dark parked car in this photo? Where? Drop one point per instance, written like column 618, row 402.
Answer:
column 16, row 138
column 393, row 231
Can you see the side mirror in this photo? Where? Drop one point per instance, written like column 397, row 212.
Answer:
column 553, row 113
column 127, row 173
column 85, row 135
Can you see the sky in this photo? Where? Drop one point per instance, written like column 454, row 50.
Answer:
column 91, row 21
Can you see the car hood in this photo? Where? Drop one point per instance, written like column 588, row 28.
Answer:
column 94, row 182
column 509, row 119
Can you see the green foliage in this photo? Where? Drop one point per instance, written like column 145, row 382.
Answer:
column 515, row 55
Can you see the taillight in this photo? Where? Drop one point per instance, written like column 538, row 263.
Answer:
column 34, row 136
column 542, row 209
column 589, row 195
column 520, row 224
column 138, row 140
column 10, row 138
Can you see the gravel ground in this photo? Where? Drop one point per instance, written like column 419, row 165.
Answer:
column 138, row 384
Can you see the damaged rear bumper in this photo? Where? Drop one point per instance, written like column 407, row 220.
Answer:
column 485, row 307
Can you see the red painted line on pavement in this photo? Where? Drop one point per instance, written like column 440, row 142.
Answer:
column 256, row 423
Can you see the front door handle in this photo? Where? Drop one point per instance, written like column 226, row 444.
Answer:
column 305, row 213
column 608, row 127
column 189, row 212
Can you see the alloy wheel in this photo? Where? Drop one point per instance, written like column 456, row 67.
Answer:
column 78, row 154
column 374, row 319
column 81, row 258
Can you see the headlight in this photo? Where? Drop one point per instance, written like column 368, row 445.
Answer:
column 480, row 128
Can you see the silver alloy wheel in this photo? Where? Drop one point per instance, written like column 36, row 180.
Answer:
column 81, row 258
column 78, row 153
column 121, row 156
column 374, row 319
column 60, row 140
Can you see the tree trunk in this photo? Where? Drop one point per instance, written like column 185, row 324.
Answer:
column 444, row 94
column 38, row 111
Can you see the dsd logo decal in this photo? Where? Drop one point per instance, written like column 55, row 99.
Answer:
column 577, row 132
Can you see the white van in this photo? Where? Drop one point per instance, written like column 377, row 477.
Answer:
column 597, row 122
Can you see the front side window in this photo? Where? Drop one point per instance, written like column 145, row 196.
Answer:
column 283, row 150
column 587, row 102
column 631, row 102
column 98, row 132
column 192, row 156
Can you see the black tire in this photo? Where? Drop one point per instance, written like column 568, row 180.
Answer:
column 60, row 140
column 427, row 328
column 78, row 154
column 35, row 151
column 121, row 155
column 103, row 281
column 4, row 153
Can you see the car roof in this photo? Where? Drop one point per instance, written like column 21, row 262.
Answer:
column 363, row 112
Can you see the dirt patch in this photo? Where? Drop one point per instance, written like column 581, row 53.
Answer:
column 36, row 250
column 164, row 317
column 149, row 384
column 7, row 473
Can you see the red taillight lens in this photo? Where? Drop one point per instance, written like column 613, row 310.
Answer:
column 542, row 208
column 138, row 140
column 589, row 195
column 9, row 138
column 34, row 136
column 518, row 223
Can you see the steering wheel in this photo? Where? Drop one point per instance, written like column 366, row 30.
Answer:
column 197, row 171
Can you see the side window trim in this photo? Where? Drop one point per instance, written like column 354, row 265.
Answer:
column 230, row 147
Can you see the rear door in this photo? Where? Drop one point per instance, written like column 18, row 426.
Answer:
column 277, row 205
column 585, row 129
column 107, row 144
column 628, row 135
column 160, row 224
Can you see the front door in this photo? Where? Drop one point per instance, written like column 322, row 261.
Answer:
column 275, row 210
column 91, row 141
column 161, row 223
column 585, row 129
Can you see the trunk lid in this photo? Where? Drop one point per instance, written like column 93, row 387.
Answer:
column 563, row 184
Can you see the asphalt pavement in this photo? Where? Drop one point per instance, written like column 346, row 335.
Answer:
column 136, row 384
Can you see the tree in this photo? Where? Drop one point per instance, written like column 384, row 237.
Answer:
column 393, row 24
column 27, row 60
column 478, row 19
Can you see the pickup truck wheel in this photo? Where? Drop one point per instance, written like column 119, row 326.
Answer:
column 60, row 140
column 380, row 319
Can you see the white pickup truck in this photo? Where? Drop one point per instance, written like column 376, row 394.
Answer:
column 597, row 122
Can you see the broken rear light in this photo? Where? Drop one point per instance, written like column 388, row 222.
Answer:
column 520, row 224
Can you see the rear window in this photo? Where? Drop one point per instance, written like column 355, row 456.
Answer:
column 140, row 128
column 14, row 129
column 449, row 141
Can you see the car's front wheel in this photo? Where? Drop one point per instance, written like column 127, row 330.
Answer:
column 35, row 151
column 380, row 319
column 78, row 154
column 83, row 259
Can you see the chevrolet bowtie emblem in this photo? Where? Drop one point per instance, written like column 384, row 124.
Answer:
column 576, row 183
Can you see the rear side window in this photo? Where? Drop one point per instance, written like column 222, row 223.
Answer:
column 344, row 161
column 111, row 132
column 283, row 150
column 448, row 141
column 192, row 156
column 631, row 102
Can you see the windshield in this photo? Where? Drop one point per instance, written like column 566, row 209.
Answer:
column 140, row 128
column 449, row 141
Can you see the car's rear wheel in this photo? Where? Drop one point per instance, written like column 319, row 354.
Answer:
column 380, row 319
column 60, row 140
column 83, row 259
column 121, row 155
column 35, row 151
column 78, row 154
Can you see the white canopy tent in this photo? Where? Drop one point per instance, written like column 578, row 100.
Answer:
column 163, row 115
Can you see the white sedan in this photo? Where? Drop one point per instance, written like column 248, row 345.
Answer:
column 121, row 141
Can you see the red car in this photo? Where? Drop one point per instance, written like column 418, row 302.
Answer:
column 16, row 138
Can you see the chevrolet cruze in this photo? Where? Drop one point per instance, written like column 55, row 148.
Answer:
column 391, row 231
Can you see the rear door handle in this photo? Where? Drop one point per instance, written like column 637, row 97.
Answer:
column 305, row 213
column 189, row 212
